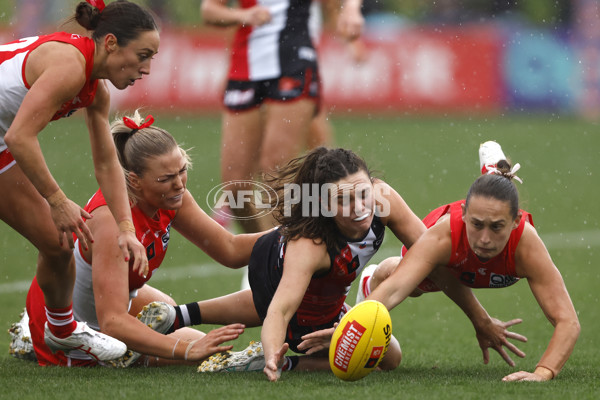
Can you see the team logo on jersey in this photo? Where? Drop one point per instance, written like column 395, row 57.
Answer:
column 150, row 251
column 498, row 281
column 468, row 277
column 345, row 262
column 165, row 238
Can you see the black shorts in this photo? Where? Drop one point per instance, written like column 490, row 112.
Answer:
column 245, row 95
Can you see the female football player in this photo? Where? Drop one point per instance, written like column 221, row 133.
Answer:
column 333, row 218
column 45, row 78
column 484, row 241
column 108, row 292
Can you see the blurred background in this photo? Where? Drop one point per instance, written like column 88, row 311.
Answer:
column 449, row 56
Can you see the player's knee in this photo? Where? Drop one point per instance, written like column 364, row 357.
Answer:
column 57, row 257
column 384, row 270
column 393, row 357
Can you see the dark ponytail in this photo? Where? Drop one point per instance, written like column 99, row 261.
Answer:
column 122, row 18
column 497, row 185
column 310, row 172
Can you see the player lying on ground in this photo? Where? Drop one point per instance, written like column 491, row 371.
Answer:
column 300, row 273
column 485, row 241
column 108, row 293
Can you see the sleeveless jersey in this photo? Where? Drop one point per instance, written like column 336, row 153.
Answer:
column 152, row 233
column 280, row 47
column 14, row 86
column 324, row 298
column 497, row 272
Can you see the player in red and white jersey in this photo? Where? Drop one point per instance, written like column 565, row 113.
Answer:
column 333, row 217
column 108, row 292
column 273, row 89
column 485, row 241
column 47, row 77
column 301, row 272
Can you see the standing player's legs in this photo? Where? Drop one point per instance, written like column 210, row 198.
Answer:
column 321, row 131
column 240, row 146
column 285, row 136
column 27, row 212
column 286, row 131
column 22, row 207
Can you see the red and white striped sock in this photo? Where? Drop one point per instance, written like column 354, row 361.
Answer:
column 366, row 287
column 60, row 321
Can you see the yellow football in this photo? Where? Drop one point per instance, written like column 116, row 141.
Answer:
column 360, row 340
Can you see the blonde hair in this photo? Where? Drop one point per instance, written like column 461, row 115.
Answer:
column 136, row 146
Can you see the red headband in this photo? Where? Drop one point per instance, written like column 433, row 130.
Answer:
column 99, row 4
column 135, row 127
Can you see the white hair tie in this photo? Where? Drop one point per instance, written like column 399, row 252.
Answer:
column 511, row 174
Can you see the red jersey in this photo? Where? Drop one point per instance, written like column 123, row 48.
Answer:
column 153, row 233
column 497, row 272
column 14, row 85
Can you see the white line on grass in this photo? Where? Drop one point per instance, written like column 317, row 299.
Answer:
column 554, row 241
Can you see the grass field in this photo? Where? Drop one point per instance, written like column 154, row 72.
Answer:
column 429, row 161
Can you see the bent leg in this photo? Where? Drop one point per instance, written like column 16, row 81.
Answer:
column 229, row 309
column 383, row 271
column 393, row 356
column 27, row 212
column 146, row 295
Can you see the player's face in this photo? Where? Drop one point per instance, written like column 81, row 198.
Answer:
column 163, row 183
column 127, row 64
column 488, row 223
column 353, row 196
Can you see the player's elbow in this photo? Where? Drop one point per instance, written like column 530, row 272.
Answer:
column 569, row 325
column 12, row 140
column 575, row 327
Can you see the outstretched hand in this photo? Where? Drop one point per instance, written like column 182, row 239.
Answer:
column 274, row 363
column 495, row 335
column 524, row 376
column 317, row 341
column 211, row 343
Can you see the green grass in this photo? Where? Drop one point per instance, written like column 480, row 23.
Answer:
column 429, row 161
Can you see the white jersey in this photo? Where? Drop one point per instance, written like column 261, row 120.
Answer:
column 278, row 48
column 84, row 304
column 12, row 92
column 14, row 86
